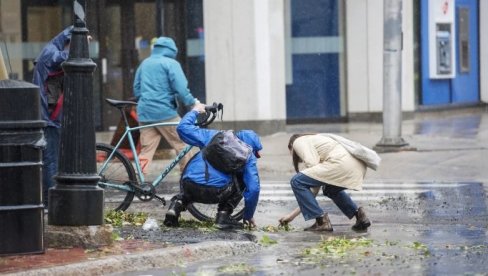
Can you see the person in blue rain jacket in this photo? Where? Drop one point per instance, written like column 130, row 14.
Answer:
column 47, row 65
column 216, row 186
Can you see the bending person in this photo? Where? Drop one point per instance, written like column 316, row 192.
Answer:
column 49, row 76
column 202, row 183
column 328, row 165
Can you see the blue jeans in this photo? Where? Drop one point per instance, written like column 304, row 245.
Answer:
column 50, row 156
column 309, row 206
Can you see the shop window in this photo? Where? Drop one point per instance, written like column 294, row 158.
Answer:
column 464, row 49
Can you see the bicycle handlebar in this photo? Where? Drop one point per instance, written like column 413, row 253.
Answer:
column 211, row 112
column 215, row 107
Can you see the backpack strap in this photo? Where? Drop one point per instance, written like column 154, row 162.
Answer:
column 205, row 160
column 57, row 108
column 59, row 103
column 206, row 169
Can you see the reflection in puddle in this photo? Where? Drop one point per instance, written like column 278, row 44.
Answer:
column 442, row 230
column 458, row 127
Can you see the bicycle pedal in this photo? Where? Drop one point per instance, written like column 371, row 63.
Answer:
column 161, row 199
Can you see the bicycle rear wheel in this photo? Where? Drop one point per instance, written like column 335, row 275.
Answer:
column 118, row 171
column 207, row 212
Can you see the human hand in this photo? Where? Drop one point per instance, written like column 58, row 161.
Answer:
column 249, row 224
column 199, row 107
column 285, row 220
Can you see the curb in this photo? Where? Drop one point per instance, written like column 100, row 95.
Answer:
column 159, row 258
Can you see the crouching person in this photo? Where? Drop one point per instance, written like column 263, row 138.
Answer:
column 202, row 182
column 334, row 164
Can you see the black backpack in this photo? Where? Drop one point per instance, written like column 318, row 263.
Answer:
column 226, row 152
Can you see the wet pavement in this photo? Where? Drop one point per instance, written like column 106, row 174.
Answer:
column 428, row 208
column 52, row 257
column 440, row 229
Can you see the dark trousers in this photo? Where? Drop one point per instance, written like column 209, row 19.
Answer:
column 50, row 156
column 227, row 197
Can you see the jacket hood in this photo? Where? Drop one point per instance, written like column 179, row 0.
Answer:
column 60, row 40
column 252, row 139
column 165, row 46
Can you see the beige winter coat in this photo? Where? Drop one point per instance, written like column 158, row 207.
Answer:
column 327, row 161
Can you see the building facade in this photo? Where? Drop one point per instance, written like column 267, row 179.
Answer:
column 270, row 62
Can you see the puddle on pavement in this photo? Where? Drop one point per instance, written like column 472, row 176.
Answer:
column 443, row 230
column 448, row 202
column 456, row 127
column 419, row 250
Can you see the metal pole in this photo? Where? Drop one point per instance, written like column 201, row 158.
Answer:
column 129, row 57
column 3, row 68
column 76, row 200
column 159, row 18
column 392, row 77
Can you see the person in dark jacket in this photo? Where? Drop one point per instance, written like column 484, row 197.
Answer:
column 200, row 182
column 47, row 65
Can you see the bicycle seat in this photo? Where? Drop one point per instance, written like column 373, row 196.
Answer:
column 120, row 104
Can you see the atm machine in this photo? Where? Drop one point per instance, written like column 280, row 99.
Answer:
column 441, row 39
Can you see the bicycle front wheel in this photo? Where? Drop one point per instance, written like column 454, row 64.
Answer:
column 207, row 212
column 119, row 171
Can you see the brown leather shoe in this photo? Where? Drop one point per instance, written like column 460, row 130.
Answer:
column 362, row 222
column 322, row 224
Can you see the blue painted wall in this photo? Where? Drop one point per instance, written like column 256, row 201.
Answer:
column 315, row 90
column 464, row 88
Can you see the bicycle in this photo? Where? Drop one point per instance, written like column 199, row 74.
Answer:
column 121, row 182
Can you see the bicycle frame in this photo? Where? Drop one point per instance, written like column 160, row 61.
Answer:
column 140, row 175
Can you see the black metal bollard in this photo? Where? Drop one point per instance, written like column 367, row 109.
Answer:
column 76, row 200
column 21, row 142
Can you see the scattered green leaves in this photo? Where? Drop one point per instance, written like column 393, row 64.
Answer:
column 420, row 247
column 336, row 247
column 280, row 228
column 238, row 268
column 120, row 218
column 116, row 236
column 267, row 241
column 196, row 224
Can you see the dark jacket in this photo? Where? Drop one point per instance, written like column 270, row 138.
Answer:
column 49, row 61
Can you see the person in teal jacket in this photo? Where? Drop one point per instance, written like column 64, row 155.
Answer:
column 159, row 82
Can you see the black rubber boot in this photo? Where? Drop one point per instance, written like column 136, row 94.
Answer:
column 362, row 222
column 173, row 214
column 223, row 221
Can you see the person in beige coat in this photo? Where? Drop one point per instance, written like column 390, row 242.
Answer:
column 328, row 164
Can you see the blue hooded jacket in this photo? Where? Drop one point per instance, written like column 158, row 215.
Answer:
column 195, row 169
column 158, row 80
column 49, row 61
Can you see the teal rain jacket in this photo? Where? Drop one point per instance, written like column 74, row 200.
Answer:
column 158, row 80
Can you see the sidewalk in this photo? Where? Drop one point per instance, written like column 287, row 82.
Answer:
column 451, row 146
